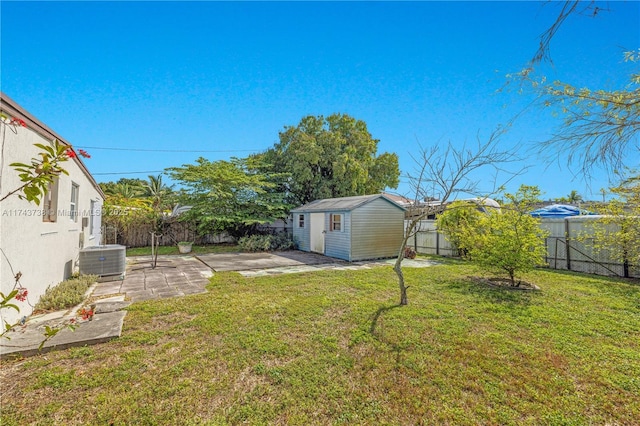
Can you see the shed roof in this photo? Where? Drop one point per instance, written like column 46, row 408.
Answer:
column 342, row 203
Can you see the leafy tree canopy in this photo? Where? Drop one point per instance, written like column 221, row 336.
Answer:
column 330, row 157
column 124, row 187
column 228, row 196
column 123, row 212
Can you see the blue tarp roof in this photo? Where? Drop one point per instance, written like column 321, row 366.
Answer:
column 559, row 210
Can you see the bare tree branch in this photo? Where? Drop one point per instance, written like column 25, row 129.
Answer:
column 570, row 7
column 444, row 172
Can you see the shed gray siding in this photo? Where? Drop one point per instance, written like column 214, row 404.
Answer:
column 372, row 227
column 377, row 229
column 301, row 235
column 338, row 243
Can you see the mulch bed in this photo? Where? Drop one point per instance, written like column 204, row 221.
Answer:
column 505, row 283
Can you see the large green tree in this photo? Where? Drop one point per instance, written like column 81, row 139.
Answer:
column 326, row 157
column 228, row 196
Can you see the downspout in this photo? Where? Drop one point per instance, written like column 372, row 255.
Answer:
column 3, row 130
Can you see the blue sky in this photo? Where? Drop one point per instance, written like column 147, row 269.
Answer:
column 226, row 77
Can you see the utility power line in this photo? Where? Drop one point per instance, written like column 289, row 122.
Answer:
column 166, row 150
column 128, row 173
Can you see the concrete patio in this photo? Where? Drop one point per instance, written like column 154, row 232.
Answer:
column 172, row 276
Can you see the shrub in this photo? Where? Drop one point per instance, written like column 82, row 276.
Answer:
column 505, row 241
column 65, row 295
column 269, row 242
column 454, row 222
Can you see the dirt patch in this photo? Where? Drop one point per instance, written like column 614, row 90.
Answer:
column 505, row 283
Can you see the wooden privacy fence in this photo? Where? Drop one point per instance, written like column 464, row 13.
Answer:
column 172, row 233
column 568, row 247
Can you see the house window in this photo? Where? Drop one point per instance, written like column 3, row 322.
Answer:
column 301, row 221
column 335, row 222
column 73, row 207
column 50, row 202
column 92, row 216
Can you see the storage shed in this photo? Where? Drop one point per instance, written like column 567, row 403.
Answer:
column 350, row 228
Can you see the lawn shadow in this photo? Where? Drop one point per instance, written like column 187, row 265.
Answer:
column 376, row 317
column 377, row 331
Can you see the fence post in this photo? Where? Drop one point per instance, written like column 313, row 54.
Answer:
column 625, row 265
column 567, row 240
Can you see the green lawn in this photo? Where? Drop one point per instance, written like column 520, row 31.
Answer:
column 331, row 347
column 163, row 250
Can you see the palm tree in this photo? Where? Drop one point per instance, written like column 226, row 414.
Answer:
column 574, row 197
column 156, row 190
column 125, row 190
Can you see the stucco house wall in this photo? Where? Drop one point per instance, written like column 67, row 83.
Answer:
column 45, row 251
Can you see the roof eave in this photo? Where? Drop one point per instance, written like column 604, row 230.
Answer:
column 15, row 110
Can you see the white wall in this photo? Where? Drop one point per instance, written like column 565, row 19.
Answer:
column 46, row 253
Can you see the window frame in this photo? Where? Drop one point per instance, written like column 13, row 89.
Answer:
column 50, row 202
column 339, row 222
column 301, row 220
column 73, row 203
column 92, row 215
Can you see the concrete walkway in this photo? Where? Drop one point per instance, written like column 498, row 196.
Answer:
column 264, row 260
column 173, row 276
column 335, row 266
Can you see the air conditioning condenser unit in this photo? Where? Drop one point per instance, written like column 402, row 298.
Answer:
column 107, row 261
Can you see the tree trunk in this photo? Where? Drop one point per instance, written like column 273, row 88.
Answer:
column 403, row 289
column 397, row 267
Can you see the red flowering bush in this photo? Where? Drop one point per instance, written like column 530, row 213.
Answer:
column 22, row 294
column 72, row 154
column 86, row 314
column 18, row 122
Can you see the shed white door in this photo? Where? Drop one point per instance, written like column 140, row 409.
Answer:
column 316, row 232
